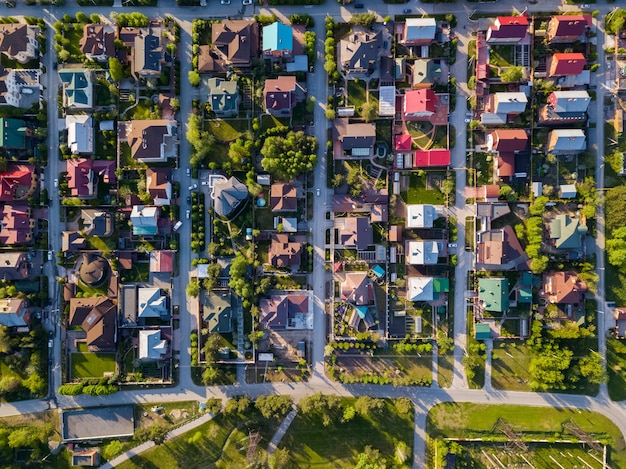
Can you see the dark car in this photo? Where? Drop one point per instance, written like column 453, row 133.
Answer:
column 359, row 6
column 406, row 10
column 189, row 200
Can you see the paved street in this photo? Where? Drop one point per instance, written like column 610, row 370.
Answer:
column 424, row 398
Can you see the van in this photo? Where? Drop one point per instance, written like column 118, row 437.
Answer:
column 178, row 225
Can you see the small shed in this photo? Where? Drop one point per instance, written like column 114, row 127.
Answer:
column 537, row 189
column 482, row 331
column 263, row 179
column 568, row 191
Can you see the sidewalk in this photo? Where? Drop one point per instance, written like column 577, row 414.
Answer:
column 150, row 444
column 284, row 426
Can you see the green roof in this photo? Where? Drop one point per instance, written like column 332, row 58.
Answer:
column 441, row 285
column 217, row 310
column 493, row 293
column 77, row 87
column 482, row 331
column 567, row 232
column 13, row 133
column 525, row 295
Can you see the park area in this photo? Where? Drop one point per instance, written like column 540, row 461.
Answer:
column 510, row 434
column 86, row 364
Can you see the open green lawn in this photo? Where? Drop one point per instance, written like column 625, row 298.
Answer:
column 219, row 443
column 357, row 93
column 336, row 446
column 465, row 420
column 91, row 365
column 501, row 55
column 445, row 370
column 616, row 368
column 269, row 122
column 103, row 244
column 509, row 366
column 418, row 194
column 226, row 130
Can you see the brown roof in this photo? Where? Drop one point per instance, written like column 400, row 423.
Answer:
column 280, row 93
column 283, row 198
column 13, row 38
column 283, row 252
column 236, row 40
column 146, row 136
column 16, row 224
column 395, row 233
column 356, row 233
column 563, row 288
column 98, row 39
column 275, row 312
column 159, row 181
column 97, row 317
column 357, row 288
column 509, row 140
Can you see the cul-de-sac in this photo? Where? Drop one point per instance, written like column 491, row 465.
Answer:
column 286, row 234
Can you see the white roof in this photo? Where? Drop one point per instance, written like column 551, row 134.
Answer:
column 420, row 289
column 387, row 101
column 151, row 303
column 420, row 216
column 491, row 118
column 571, row 101
column 151, row 346
column 567, row 140
column 568, row 191
column 144, row 216
column 420, row 28
column 510, row 102
column 423, row 252
column 79, row 133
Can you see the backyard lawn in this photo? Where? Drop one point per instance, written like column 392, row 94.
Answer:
column 418, row 194
column 422, row 133
column 445, row 370
column 227, row 130
column 337, row 445
column 87, row 364
column 616, row 368
column 269, row 122
column 501, row 55
column 509, row 366
column 219, row 443
column 357, row 93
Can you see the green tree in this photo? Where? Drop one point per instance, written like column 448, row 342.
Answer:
column 273, row 406
column 115, row 69
column 35, row 383
column 237, row 405
column 592, row 368
column 193, row 288
column 210, row 375
column 538, row 206
column 194, row 78
column 289, row 156
column 212, row 346
column 214, row 405
column 547, row 370
column 281, row 459
column 616, row 247
column 5, row 340
column 369, row 111
column 112, row 449
column 366, row 405
column 370, row 458
column 512, row 74
column 64, row 55
column 328, row 407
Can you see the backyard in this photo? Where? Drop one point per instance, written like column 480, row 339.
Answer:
column 509, row 366
column 309, row 442
column 85, row 364
column 420, row 191
column 226, row 130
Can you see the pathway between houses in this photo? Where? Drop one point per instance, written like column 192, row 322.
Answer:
column 282, row 429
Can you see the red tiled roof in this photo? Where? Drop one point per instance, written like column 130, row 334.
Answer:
column 510, row 20
column 435, row 157
column 569, row 25
column 567, row 64
column 506, row 164
column 510, row 140
column 420, row 101
column 12, row 178
column 403, row 142
column 509, row 27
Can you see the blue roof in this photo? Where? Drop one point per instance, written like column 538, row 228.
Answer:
column 378, row 271
column 362, row 311
column 277, row 36
column 144, row 230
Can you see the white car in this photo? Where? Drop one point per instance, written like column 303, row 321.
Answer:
column 467, row 121
column 585, row 6
column 56, row 183
column 193, row 187
column 317, row 191
column 225, row 2
column 188, row 213
column 188, row 172
column 247, row 2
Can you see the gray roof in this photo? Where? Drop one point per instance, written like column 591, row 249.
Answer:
column 148, row 53
column 359, row 49
column 420, row 29
column 567, row 140
column 571, row 101
column 508, row 103
column 97, row 423
column 228, row 194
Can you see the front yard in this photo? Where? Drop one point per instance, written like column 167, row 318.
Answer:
column 85, row 364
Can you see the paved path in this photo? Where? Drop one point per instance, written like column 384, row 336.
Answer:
column 150, row 444
column 284, row 426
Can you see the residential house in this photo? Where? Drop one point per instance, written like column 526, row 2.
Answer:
column 493, row 294
column 96, row 222
column 19, row 87
column 234, row 44
column 620, row 322
column 281, row 95
column 98, row 41
column 419, row 105
column 79, row 133
column 17, row 182
column 283, row 197
column 371, row 200
column 151, row 141
column 566, row 28
column 423, row 252
column 564, row 289
column 567, row 232
column 566, row 64
column 144, row 220
column 149, row 52
column 387, row 101
column 223, row 97
column 488, row 193
column 357, row 288
column 14, row 265
column 508, row 30
column 217, row 310
column 93, row 269
column 97, row 317
column 16, row 224
column 152, row 304
column 286, row 311
column 159, row 185
column 153, row 346
column 426, row 73
column 499, row 249
column 403, row 142
column 506, row 143
column 421, row 216
column 77, row 88
column 162, row 261
column 435, row 157
column 565, row 107
column 285, row 253
column 72, row 241
column 14, row 133
column 355, row 232
column 360, row 52
column 83, row 175
column 566, row 141
column 419, row 31
column 426, row 288
column 277, row 41
column 353, row 140
column 503, row 107
column 18, row 41
column 227, row 195
column 14, row 313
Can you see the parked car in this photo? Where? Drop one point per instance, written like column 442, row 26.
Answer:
column 188, row 213
column 467, row 121
column 247, row 2
column 406, row 10
column 225, row 2
column 188, row 172
column 178, row 225
column 317, row 191
column 452, row 245
column 585, row 6
column 56, row 183
column 359, row 6
column 193, row 187
column 189, row 200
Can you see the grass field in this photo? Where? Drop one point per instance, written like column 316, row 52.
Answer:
column 464, row 420
column 87, row 364
column 616, row 368
column 445, row 370
column 509, row 366
column 336, row 446
column 418, row 194
column 227, row 130
column 219, row 443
